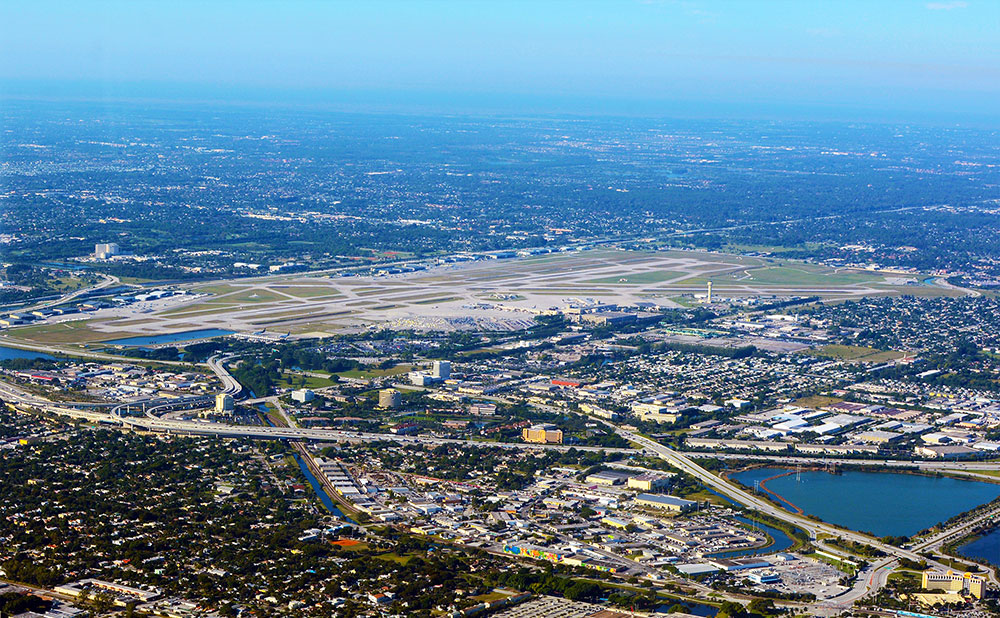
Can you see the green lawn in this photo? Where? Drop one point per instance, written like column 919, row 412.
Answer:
column 75, row 331
column 856, row 353
column 808, row 276
column 290, row 379
column 368, row 374
column 394, row 557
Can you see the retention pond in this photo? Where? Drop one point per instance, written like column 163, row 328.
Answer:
column 882, row 503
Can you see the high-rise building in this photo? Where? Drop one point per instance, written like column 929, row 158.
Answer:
column 224, row 403
column 709, row 299
column 442, row 370
column 106, row 250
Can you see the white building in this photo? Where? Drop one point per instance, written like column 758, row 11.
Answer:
column 442, row 370
column 303, row 395
column 106, row 250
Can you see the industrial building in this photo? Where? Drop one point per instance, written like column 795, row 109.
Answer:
column 669, row 503
column 608, row 478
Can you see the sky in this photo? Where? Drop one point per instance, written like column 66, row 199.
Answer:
column 890, row 58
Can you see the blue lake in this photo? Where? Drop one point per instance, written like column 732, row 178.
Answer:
column 9, row 353
column 883, row 503
column 986, row 547
column 187, row 335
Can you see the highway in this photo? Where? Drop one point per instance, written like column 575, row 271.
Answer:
column 230, row 385
column 108, row 281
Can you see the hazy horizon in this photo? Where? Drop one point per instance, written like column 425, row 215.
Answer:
column 899, row 62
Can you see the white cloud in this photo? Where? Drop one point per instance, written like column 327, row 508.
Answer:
column 947, row 6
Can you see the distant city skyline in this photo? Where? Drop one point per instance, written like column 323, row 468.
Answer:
column 900, row 60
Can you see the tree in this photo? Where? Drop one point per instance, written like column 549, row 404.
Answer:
column 730, row 609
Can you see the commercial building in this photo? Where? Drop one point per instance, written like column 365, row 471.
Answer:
column 542, row 434
column 421, row 378
column 119, row 591
column 669, row 503
column 224, row 403
column 303, row 395
column 611, row 318
column 441, row 370
column 964, row 583
column 658, row 412
column 389, row 398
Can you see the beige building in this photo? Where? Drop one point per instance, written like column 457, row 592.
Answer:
column 389, row 398
column 648, row 482
column 224, row 403
column 950, row 581
column 542, row 434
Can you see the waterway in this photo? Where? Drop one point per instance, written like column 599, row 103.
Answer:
column 318, row 488
column 10, row 353
column 781, row 542
column 882, row 503
column 187, row 335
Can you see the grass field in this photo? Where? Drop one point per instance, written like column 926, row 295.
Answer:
column 304, row 291
column 290, row 379
column 805, row 275
column 76, row 331
column 368, row 374
column 394, row 557
column 816, row 401
column 856, row 353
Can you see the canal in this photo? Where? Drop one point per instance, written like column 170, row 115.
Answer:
column 320, row 491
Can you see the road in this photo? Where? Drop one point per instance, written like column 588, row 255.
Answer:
column 108, row 281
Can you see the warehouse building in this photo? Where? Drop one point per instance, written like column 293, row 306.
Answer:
column 669, row 503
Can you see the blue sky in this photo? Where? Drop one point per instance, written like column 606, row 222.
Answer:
column 890, row 57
